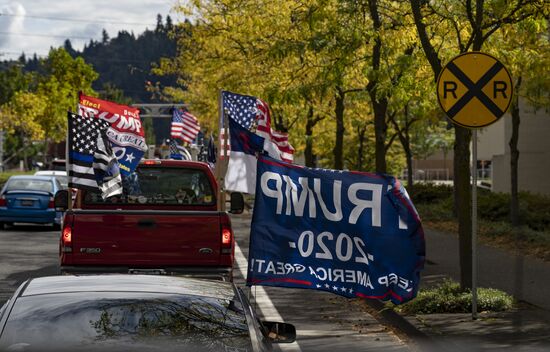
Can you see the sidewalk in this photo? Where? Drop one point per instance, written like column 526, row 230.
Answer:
column 525, row 329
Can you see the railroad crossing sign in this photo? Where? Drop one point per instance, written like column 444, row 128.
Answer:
column 474, row 89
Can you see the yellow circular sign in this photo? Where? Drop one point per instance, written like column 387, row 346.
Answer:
column 474, row 89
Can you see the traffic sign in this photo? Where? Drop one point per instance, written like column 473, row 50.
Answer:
column 474, row 89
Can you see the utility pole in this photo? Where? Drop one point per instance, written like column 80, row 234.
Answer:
column 2, row 134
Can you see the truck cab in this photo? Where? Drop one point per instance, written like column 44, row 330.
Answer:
column 166, row 221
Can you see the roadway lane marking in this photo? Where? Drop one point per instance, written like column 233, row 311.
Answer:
column 263, row 302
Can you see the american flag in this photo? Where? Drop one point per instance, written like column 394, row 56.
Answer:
column 184, row 126
column 253, row 113
column 92, row 164
column 279, row 140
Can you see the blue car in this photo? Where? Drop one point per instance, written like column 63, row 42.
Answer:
column 29, row 199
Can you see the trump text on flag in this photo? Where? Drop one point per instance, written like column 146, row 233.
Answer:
column 350, row 233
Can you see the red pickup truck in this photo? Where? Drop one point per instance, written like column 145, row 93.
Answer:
column 166, row 221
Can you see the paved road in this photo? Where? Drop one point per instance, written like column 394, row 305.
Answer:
column 324, row 322
column 525, row 278
column 26, row 251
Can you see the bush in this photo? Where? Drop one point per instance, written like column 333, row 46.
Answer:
column 493, row 206
column 447, row 297
column 535, row 211
column 435, row 202
column 430, row 193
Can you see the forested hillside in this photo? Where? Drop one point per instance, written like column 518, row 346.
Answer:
column 125, row 61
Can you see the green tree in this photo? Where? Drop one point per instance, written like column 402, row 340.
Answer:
column 64, row 77
column 446, row 28
column 524, row 49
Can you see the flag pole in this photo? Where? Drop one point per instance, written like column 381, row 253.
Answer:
column 70, row 190
column 221, row 153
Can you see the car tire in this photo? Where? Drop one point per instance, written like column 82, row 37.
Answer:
column 2, row 225
column 56, row 227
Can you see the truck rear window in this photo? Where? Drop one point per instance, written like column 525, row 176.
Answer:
column 161, row 185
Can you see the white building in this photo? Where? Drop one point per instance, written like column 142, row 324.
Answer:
column 533, row 145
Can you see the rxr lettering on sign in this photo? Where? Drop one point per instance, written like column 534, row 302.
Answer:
column 474, row 90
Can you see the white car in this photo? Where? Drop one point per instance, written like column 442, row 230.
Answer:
column 61, row 176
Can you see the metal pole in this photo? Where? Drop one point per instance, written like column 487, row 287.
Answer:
column 2, row 134
column 474, row 224
column 69, row 189
column 222, row 153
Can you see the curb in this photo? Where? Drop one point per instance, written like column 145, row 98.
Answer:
column 402, row 327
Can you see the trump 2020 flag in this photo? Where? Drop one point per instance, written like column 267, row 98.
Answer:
column 354, row 234
column 241, row 168
column 125, row 130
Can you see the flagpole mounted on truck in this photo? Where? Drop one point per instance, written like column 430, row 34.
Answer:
column 223, row 155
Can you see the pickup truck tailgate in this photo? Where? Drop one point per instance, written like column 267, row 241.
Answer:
column 147, row 238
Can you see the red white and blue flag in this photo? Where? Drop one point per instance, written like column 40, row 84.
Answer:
column 253, row 114
column 350, row 233
column 184, row 126
column 125, row 131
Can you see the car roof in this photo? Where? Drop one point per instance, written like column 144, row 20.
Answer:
column 129, row 283
column 32, row 177
column 50, row 173
column 174, row 163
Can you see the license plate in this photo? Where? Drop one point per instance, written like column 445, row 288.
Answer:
column 27, row 202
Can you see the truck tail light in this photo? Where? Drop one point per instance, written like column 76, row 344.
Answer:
column 151, row 162
column 50, row 203
column 227, row 235
column 66, row 240
column 3, row 201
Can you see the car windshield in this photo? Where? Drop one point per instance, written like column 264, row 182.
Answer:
column 156, row 185
column 125, row 321
column 29, row 185
column 58, row 165
column 63, row 180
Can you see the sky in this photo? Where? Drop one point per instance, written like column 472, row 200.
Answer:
column 33, row 26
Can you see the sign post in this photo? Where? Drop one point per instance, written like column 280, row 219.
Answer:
column 474, row 90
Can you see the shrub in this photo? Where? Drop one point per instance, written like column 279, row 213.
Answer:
column 447, row 297
column 435, row 202
column 430, row 192
column 535, row 211
column 437, row 211
column 493, row 206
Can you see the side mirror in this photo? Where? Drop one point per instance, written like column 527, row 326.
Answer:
column 280, row 332
column 61, row 200
column 237, row 203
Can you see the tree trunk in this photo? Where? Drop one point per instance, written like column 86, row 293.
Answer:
column 410, row 184
column 514, row 158
column 361, row 134
column 408, row 151
column 47, row 143
column 379, row 104
column 463, row 201
column 308, row 151
column 380, row 131
column 339, row 145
